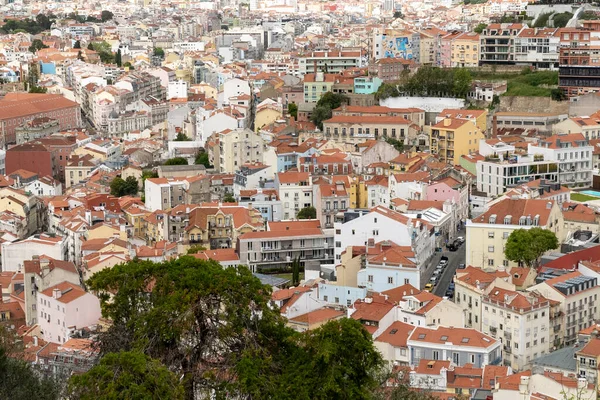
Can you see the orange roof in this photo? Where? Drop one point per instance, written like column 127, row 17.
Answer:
column 515, row 209
column 69, row 292
column 320, row 315
column 592, row 348
column 221, row 255
column 372, row 308
column 396, row 334
column 366, row 119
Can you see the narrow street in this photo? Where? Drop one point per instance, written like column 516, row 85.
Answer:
column 454, row 259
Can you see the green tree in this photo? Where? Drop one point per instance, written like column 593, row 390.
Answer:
column 148, row 174
column 36, row 45
column 398, row 14
column 182, row 137
column 462, row 82
column 126, row 375
column 296, row 271
column 118, row 58
column 159, row 52
column 558, row 95
column 387, row 90
column 202, row 159
column 398, row 145
column 480, row 27
column 319, row 370
column 195, row 249
column 560, row 20
column 106, row 16
column 323, row 109
column 228, row 198
column 128, row 65
column 104, row 51
column 20, row 382
column 528, row 245
column 77, row 44
column 176, row 161
column 90, row 46
column 293, row 110
column 307, row 213
column 37, row 89
column 124, row 187
column 44, row 21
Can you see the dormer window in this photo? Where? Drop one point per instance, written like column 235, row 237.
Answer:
column 507, row 220
column 522, row 220
column 492, row 219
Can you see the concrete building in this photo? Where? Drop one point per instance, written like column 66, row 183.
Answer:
column 65, row 308
column 487, row 234
column 452, row 138
column 15, row 254
column 329, row 61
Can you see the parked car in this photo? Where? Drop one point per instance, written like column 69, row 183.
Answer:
column 451, row 247
column 449, row 293
column 444, row 260
column 439, row 267
column 461, row 239
column 429, row 287
column 451, row 286
column 433, row 280
column 461, row 266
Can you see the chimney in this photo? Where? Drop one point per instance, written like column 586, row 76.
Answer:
column 56, row 293
column 524, row 385
column 549, row 205
column 581, row 383
column 35, row 341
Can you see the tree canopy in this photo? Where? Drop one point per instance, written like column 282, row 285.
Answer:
column 480, row 27
column 126, row 375
column 183, row 312
column 159, row 52
column 307, row 213
column 528, row 245
column 228, row 198
column 182, row 137
column 106, row 16
column 176, row 161
column 202, row 159
column 430, row 81
column 293, row 110
column 323, row 110
column 124, row 187
column 36, row 45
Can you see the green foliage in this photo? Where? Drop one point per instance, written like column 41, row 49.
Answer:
column 528, row 245
column 404, row 392
column 588, row 16
column 104, row 52
column 37, row 89
column 542, row 20
column 176, row 161
column 323, row 110
column 126, row 375
column 430, row 81
column 480, row 27
column 182, row 137
column 197, row 308
column 128, row 65
column 148, row 174
column 36, row 45
column 307, row 213
column 44, row 21
column 582, row 197
column 228, row 198
column 124, row 187
column 398, row 14
column 119, row 58
column 398, row 145
column 77, row 44
column 106, row 16
column 202, row 159
column 558, row 95
column 293, row 110
column 90, row 46
column 26, row 25
column 296, row 271
column 20, row 382
column 159, row 52
column 560, row 20
column 532, row 84
column 195, row 249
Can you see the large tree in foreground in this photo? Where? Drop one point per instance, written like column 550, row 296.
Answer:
column 214, row 328
column 126, row 375
column 527, row 245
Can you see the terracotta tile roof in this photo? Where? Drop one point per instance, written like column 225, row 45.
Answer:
column 431, row 367
column 221, row 255
column 570, row 260
column 366, row 119
column 15, row 105
column 69, row 292
column 515, row 209
column 554, row 141
column 292, row 177
column 491, row 374
column 397, row 294
column 372, row 308
column 472, row 275
column 454, row 123
column 286, row 294
column 422, row 176
column 511, row 382
column 592, row 348
column 314, row 317
column 396, row 334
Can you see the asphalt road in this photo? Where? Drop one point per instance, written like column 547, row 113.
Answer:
column 454, row 258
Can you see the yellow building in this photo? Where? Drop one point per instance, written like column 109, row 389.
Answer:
column 104, row 231
column 478, row 117
column 78, row 169
column 316, row 85
column 135, row 217
column 452, row 138
column 488, row 233
column 153, row 227
column 266, row 115
column 465, row 50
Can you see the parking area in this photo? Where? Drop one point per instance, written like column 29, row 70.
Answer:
column 454, row 259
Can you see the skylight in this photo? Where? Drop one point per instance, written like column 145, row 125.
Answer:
column 465, row 340
column 444, row 338
column 421, row 336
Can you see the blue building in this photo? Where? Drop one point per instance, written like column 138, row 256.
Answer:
column 366, row 84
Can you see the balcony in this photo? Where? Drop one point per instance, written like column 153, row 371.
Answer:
column 507, row 349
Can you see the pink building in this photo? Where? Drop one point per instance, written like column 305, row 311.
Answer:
column 450, row 189
column 64, row 308
column 446, row 49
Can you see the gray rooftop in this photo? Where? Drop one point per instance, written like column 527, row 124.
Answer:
column 271, row 280
column 562, row 359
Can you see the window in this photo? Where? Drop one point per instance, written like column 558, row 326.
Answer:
column 491, row 235
column 337, row 300
column 436, row 355
column 491, row 262
column 390, row 279
column 325, row 298
column 491, row 249
column 472, row 358
column 370, row 278
column 406, row 281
